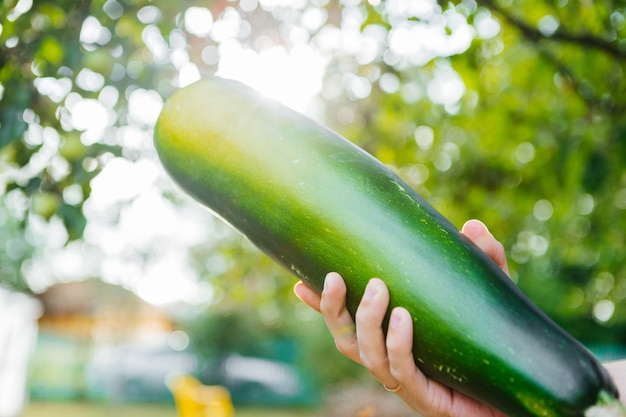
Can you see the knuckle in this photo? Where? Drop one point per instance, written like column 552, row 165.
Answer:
column 397, row 373
column 364, row 316
column 392, row 352
column 375, row 367
column 343, row 347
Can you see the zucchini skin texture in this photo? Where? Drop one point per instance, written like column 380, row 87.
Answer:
column 315, row 203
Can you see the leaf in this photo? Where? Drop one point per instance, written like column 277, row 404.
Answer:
column 11, row 126
column 16, row 98
column 51, row 51
column 74, row 221
column 596, row 172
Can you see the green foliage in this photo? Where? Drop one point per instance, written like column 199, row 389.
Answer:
column 55, row 54
column 534, row 150
column 301, row 341
column 523, row 126
column 217, row 334
column 15, row 249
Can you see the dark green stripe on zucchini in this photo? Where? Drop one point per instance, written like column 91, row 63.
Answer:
column 316, row 203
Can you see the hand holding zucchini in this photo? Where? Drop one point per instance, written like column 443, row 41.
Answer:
column 315, row 203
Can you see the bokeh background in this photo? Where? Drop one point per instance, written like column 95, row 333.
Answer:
column 112, row 279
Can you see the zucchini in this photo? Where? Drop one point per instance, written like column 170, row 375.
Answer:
column 315, row 202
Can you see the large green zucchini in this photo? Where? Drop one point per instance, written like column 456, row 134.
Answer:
column 315, row 203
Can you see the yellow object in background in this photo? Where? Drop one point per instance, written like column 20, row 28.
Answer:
column 193, row 399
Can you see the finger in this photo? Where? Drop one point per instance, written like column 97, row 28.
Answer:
column 477, row 232
column 337, row 318
column 307, row 295
column 420, row 393
column 399, row 343
column 369, row 328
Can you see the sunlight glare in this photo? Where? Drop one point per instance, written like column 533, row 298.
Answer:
column 55, row 89
column 169, row 280
column 121, row 180
column 486, row 26
column 422, row 9
column 603, row 310
column 22, row 6
column 293, row 77
column 127, row 216
column 89, row 115
column 198, row 21
column 144, row 106
column 188, row 74
column 89, row 80
column 446, row 87
column 93, row 32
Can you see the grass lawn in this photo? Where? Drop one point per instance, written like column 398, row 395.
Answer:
column 88, row 409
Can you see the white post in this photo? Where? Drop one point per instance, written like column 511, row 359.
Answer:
column 18, row 337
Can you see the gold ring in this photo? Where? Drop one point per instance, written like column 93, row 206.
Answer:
column 347, row 329
column 396, row 389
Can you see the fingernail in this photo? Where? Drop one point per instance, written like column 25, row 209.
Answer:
column 370, row 292
column 327, row 280
column 325, row 283
column 394, row 320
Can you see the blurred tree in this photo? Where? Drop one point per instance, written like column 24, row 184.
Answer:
column 510, row 113
column 15, row 250
column 535, row 146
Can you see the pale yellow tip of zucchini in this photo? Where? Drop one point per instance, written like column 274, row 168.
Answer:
column 607, row 406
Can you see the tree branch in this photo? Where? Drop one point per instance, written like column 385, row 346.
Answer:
column 584, row 91
column 535, row 34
